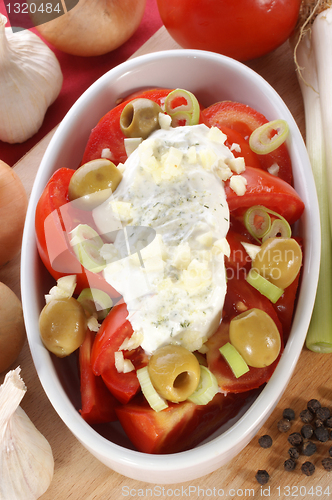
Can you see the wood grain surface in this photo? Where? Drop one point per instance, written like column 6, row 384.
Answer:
column 80, row 476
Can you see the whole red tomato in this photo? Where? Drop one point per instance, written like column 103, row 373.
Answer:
column 241, row 29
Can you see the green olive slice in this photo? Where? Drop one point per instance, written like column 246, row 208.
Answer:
column 279, row 261
column 174, row 372
column 94, row 182
column 139, row 118
column 62, row 325
column 256, row 337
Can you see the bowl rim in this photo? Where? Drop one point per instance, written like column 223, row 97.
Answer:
column 246, row 426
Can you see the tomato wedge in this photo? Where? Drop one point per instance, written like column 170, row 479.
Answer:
column 180, row 426
column 267, row 190
column 55, row 217
column 112, row 333
column 244, row 120
column 98, row 404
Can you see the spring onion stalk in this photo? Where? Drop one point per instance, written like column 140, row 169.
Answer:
column 207, row 388
column 313, row 56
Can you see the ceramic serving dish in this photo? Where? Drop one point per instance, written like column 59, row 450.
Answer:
column 211, row 77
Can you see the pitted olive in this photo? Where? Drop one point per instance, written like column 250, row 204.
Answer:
column 139, row 118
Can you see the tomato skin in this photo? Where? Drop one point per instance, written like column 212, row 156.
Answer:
column 54, row 218
column 243, row 30
column 108, row 134
column 180, row 426
column 243, row 119
column 267, row 190
column 113, row 331
column 98, row 404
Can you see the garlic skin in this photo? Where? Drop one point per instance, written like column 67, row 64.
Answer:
column 26, row 459
column 30, row 81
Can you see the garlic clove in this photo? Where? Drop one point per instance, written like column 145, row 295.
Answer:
column 30, row 81
column 26, row 459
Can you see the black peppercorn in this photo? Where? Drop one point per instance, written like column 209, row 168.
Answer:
column 265, row 441
column 288, row 413
column 321, row 434
column 307, row 431
column 327, row 463
column 262, row 476
column 308, row 468
column 313, row 405
column 328, row 422
column 284, row 425
column 289, row 464
column 323, row 413
column 330, row 451
column 318, row 422
column 295, row 439
column 306, row 416
column 293, row 453
column 308, row 448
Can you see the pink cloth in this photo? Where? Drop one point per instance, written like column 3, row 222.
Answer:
column 79, row 73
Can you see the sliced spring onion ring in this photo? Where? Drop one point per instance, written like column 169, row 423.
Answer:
column 236, row 362
column 184, row 102
column 279, row 227
column 95, row 302
column 156, row 402
column 265, row 287
column 257, row 221
column 268, row 137
column 207, row 388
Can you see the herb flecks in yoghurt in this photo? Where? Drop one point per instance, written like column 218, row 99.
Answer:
column 174, row 286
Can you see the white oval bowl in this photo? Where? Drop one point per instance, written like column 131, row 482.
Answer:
column 211, row 77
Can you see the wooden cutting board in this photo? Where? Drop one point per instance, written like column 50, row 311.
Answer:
column 79, row 476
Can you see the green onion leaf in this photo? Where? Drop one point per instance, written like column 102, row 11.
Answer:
column 156, row 402
column 207, row 388
column 236, row 362
column 265, row 287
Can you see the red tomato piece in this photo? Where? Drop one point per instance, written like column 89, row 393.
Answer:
column 233, row 138
column 107, row 134
column 267, row 190
column 180, row 426
column 55, row 217
column 98, row 404
column 244, row 120
column 112, row 333
column 240, row 297
column 238, row 260
column 241, row 29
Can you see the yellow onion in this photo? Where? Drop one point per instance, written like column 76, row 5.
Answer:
column 92, row 27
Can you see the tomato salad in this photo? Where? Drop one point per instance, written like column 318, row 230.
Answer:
column 176, row 264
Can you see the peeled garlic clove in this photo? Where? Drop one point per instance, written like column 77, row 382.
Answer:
column 30, row 81
column 26, row 459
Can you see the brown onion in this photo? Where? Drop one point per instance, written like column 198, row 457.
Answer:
column 13, row 206
column 92, row 27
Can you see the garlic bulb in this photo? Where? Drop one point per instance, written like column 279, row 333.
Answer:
column 26, row 459
column 30, row 80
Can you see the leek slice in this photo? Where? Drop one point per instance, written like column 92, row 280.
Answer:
column 189, row 111
column 156, row 402
column 265, row 287
column 268, row 137
column 96, row 302
column 236, row 362
column 257, row 221
column 207, row 388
